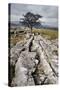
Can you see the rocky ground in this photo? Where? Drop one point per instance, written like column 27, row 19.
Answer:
column 34, row 62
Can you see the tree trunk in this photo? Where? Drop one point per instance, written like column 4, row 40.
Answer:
column 31, row 29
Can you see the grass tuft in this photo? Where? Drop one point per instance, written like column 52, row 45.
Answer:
column 49, row 33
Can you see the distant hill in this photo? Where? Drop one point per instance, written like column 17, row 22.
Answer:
column 17, row 24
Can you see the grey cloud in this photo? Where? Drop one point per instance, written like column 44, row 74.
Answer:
column 46, row 11
column 17, row 10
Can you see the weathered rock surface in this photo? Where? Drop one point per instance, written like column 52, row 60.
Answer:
column 35, row 62
column 24, row 67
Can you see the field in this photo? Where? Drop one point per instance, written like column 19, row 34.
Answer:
column 15, row 39
column 46, row 33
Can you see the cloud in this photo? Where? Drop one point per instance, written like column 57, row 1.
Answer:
column 16, row 17
column 45, row 11
column 49, row 21
column 18, row 9
column 49, row 13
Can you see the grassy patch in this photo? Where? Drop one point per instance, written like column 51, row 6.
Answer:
column 49, row 33
column 15, row 39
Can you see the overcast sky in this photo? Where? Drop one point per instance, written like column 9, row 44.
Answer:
column 49, row 13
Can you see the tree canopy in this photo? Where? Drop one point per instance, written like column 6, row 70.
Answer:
column 30, row 19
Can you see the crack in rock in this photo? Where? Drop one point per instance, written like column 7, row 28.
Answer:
column 31, row 63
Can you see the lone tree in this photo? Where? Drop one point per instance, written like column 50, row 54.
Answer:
column 30, row 19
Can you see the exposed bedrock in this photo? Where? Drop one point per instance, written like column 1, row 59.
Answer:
column 35, row 62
